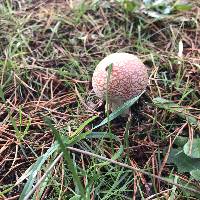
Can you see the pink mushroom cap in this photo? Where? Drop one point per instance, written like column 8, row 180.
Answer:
column 128, row 78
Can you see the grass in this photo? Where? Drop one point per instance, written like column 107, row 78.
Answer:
column 48, row 52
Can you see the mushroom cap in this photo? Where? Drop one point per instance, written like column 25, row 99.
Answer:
column 128, row 77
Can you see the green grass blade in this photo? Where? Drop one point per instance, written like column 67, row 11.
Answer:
column 119, row 111
column 32, row 171
column 175, row 108
column 102, row 135
column 67, row 158
column 83, row 125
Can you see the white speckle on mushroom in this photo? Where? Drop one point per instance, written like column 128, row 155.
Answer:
column 128, row 78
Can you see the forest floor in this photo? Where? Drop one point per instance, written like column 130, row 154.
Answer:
column 48, row 52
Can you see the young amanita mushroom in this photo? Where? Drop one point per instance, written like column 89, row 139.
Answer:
column 128, row 78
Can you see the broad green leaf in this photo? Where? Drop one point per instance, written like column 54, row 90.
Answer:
column 195, row 174
column 192, row 149
column 119, row 111
column 180, row 141
column 183, row 162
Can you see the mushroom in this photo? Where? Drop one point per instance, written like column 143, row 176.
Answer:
column 128, row 78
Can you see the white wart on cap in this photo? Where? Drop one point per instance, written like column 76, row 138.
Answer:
column 128, row 78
